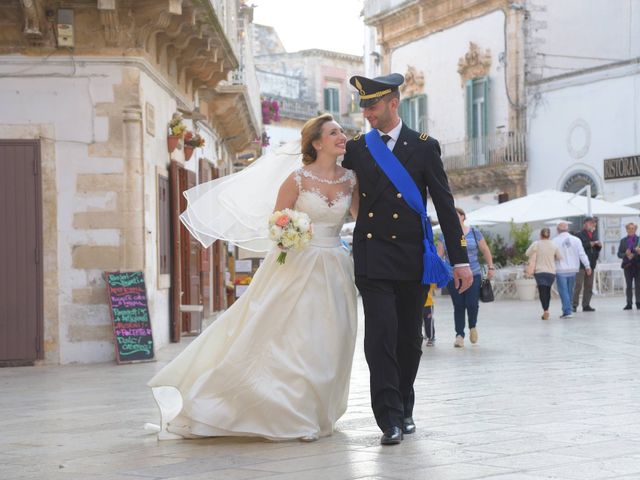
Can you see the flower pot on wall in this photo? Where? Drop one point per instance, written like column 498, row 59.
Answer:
column 188, row 151
column 172, row 142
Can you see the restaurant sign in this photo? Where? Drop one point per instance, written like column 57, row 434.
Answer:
column 623, row 167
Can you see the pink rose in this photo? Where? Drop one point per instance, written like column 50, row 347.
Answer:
column 282, row 221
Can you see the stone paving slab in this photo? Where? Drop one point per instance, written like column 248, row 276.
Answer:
column 533, row 400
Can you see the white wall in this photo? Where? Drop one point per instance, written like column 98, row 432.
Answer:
column 437, row 57
column 575, row 128
column 575, row 34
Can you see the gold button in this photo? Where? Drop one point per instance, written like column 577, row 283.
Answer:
column 364, row 194
column 395, row 215
column 369, row 235
column 393, row 237
column 399, row 195
column 370, row 214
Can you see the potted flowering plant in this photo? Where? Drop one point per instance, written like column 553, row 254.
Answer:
column 191, row 141
column 176, row 131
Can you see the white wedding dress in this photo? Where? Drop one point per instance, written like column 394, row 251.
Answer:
column 277, row 363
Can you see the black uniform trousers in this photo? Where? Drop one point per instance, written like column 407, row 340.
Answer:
column 392, row 344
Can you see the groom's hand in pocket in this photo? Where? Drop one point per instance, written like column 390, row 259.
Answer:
column 462, row 278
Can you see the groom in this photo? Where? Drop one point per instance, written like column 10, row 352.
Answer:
column 388, row 251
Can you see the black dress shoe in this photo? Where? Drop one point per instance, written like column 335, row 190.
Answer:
column 628, row 307
column 391, row 436
column 408, row 427
column 588, row 308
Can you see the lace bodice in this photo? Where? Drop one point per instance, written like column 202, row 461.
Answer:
column 326, row 202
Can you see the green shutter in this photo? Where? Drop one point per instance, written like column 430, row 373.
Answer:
column 422, row 114
column 485, row 105
column 327, row 100
column 404, row 111
column 468, row 86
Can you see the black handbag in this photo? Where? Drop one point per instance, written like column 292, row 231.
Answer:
column 486, row 291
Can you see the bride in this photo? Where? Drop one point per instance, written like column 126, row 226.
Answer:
column 277, row 363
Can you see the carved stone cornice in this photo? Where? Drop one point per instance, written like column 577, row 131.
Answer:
column 475, row 63
column 413, row 82
column 406, row 23
column 166, row 32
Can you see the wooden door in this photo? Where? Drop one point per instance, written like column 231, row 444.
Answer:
column 189, row 256
column 21, row 285
column 204, row 175
column 176, row 283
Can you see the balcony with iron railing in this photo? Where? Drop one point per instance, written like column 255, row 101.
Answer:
column 294, row 108
column 491, row 163
column 499, row 149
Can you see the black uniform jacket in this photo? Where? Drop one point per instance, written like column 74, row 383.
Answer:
column 592, row 252
column 387, row 240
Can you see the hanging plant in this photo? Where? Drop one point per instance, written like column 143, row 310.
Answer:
column 270, row 111
column 176, row 127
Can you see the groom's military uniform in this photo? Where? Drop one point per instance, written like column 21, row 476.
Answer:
column 388, row 258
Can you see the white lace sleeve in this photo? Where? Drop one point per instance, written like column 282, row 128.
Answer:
column 298, row 179
column 352, row 179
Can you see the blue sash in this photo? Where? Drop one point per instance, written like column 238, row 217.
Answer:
column 435, row 269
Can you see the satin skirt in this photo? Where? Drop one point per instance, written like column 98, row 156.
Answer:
column 277, row 363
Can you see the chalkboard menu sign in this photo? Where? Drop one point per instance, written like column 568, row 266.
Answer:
column 130, row 313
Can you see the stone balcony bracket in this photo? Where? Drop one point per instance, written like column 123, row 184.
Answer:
column 184, row 39
column 230, row 110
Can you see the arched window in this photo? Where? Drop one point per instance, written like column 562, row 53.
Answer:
column 577, row 181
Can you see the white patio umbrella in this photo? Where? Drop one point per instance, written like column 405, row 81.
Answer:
column 547, row 205
column 634, row 200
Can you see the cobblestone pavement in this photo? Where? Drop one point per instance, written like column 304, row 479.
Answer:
column 557, row 399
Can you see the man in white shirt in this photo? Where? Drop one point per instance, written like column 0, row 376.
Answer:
column 567, row 267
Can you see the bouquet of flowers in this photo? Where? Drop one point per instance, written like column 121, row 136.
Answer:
column 194, row 140
column 290, row 230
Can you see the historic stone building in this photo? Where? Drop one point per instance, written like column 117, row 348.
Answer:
column 304, row 84
column 463, row 63
column 523, row 95
column 89, row 183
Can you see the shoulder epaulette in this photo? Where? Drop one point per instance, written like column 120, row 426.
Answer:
column 423, row 137
column 357, row 137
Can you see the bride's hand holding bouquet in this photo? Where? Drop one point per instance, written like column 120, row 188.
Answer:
column 291, row 230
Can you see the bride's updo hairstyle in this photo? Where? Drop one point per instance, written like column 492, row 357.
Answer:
column 311, row 132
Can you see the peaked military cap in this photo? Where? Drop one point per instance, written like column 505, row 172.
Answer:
column 373, row 89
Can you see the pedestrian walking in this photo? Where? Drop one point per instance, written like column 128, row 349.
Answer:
column 468, row 303
column 592, row 246
column 629, row 252
column 427, row 316
column 543, row 255
column 572, row 254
